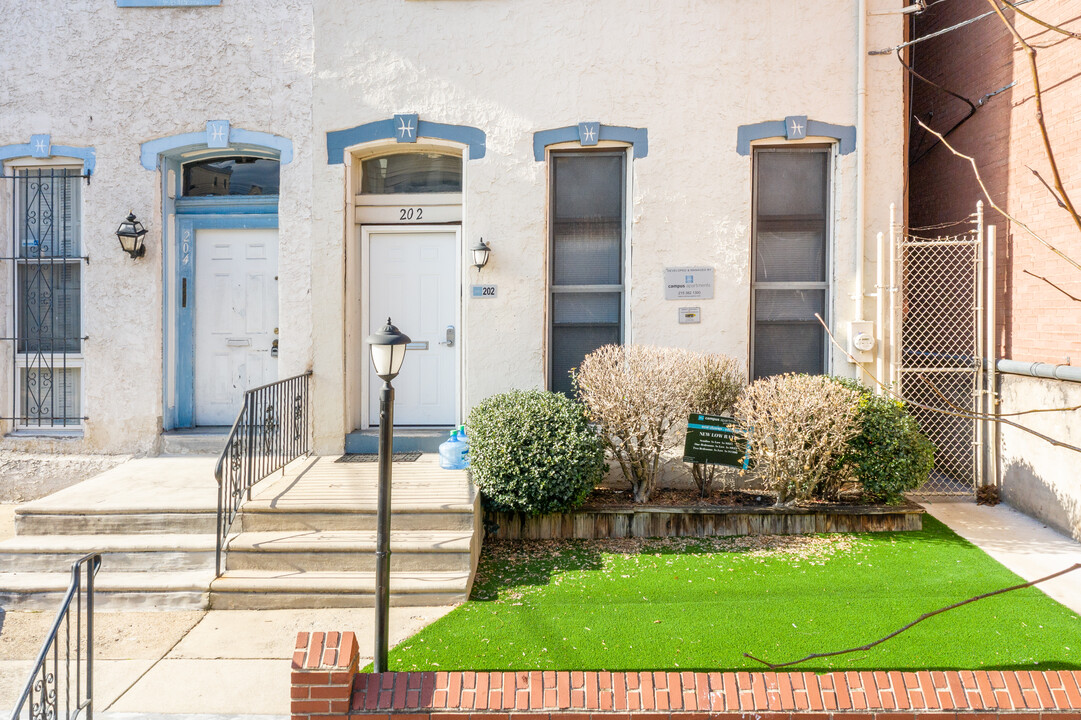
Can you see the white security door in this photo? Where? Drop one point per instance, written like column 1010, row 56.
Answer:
column 236, row 316
column 412, row 278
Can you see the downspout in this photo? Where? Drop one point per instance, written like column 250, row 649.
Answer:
column 861, row 160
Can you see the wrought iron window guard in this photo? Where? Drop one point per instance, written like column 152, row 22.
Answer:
column 270, row 432
column 61, row 685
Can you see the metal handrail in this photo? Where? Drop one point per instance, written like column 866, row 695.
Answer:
column 270, row 432
column 42, row 688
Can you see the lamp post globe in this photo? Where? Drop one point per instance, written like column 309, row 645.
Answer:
column 388, row 351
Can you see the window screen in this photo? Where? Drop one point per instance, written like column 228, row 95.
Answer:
column 790, row 260
column 587, row 259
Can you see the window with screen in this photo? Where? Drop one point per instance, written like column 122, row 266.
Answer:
column 791, row 260
column 587, row 257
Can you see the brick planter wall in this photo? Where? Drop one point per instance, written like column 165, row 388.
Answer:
column 322, row 658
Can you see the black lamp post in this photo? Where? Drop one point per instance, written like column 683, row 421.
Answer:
column 130, row 234
column 388, row 352
column 480, row 253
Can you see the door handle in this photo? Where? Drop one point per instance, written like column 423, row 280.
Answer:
column 449, row 342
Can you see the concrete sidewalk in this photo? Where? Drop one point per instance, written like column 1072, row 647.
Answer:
column 1025, row 546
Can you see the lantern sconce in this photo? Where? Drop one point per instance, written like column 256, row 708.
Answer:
column 130, row 234
column 480, row 253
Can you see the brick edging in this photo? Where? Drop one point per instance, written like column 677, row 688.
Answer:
column 326, row 684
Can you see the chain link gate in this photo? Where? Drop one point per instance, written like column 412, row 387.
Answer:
column 939, row 359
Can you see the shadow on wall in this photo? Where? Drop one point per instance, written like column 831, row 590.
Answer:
column 1026, row 490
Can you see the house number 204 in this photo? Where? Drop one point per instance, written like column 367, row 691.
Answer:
column 411, row 213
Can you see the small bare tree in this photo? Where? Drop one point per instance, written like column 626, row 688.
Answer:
column 639, row 396
column 799, row 426
column 720, row 383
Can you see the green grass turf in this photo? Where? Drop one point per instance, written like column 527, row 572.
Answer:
column 695, row 605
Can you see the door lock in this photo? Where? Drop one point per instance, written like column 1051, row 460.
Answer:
column 449, row 342
column 274, row 349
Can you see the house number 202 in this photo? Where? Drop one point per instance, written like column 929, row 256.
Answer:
column 411, row 213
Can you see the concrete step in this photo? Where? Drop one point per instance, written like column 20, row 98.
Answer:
column 266, row 590
column 128, row 553
column 198, row 441
column 425, row 440
column 349, row 551
column 112, row 590
column 256, row 516
column 35, row 521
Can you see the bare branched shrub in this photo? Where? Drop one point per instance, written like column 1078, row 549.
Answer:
column 799, row 427
column 639, row 396
column 720, row 383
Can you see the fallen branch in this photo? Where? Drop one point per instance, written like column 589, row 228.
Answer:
column 921, row 618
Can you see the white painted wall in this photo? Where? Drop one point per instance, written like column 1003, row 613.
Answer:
column 92, row 74
column 689, row 72
column 1036, row 477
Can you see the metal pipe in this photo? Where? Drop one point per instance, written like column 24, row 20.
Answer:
column 1069, row 373
column 382, row 541
column 861, row 152
column 980, row 427
column 894, row 290
column 880, row 314
column 992, row 349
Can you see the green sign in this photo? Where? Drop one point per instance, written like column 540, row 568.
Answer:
column 712, row 441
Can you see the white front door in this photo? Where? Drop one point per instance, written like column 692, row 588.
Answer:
column 236, row 319
column 412, row 279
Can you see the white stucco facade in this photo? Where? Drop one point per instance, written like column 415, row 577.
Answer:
column 689, row 74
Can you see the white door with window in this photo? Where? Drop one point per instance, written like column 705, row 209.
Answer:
column 412, row 279
column 236, row 319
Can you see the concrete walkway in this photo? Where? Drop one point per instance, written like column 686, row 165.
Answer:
column 1025, row 546
column 227, row 664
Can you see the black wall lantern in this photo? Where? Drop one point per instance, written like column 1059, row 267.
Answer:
column 130, row 234
column 480, row 254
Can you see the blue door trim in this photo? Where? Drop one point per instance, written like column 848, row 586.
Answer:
column 404, row 129
column 218, row 136
column 182, row 412
column 590, row 133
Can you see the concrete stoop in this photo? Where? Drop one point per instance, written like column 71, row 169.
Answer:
column 306, row 539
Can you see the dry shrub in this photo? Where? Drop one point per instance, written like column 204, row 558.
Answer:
column 639, row 396
column 799, row 428
column 720, row 383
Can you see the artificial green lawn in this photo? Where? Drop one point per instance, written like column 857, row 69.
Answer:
column 700, row 604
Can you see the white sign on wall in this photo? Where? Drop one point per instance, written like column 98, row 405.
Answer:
column 683, row 283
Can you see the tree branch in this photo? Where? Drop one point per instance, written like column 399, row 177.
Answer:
column 921, row 618
column 1041, row 277
column 1040, row 22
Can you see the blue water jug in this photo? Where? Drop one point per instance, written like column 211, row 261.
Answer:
column 450, row 453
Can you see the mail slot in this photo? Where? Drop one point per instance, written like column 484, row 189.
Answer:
column 417, row 345
column 238, row 342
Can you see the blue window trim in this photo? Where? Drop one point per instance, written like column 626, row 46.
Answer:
column 219, row 135
column 584, row 133
column 339, row 140
column 845, row 135
column 165, row 3
column 40, row 146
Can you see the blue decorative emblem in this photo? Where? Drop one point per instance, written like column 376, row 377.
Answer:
column 589, row 133
column 688, row 278
column 795, row 127
column 405, row 128
column 217, row 134
column 40, row 146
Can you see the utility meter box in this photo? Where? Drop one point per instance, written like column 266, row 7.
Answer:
column 861, row 340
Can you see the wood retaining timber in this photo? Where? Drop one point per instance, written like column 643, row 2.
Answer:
column 703, row 521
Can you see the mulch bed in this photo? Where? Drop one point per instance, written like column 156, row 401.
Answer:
column 675, row 497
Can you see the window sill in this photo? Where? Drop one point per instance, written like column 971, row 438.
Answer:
column 52, row 433
column 165, row 3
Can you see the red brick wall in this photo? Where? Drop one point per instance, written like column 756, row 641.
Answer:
column 1035, row 321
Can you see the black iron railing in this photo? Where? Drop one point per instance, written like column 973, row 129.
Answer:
column 61, row 685
column 269, row 433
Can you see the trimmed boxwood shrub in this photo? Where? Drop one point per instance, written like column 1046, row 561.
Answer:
column 533, row 452
column 890, row 455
